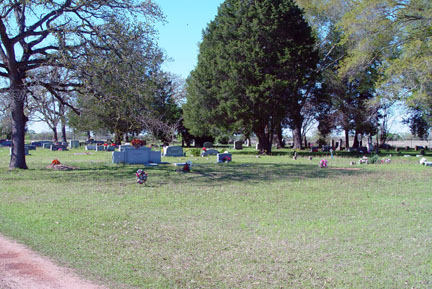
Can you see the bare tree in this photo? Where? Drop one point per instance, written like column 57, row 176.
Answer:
column 37, row 34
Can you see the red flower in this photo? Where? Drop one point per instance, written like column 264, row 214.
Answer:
column 204, row 149
column 55, row 162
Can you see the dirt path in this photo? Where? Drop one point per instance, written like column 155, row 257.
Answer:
column 21, row 268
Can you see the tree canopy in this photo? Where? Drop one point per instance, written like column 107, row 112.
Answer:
column 36, row 34
column 256, row 62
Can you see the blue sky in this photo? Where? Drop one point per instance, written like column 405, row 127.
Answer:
column 180, row 36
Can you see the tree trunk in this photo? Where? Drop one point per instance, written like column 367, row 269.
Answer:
column 279, row 137
column 356, row 143
column 264, row 143
column 19, row 119
column 347, row 139
column 118, row 137
column 297, row 137
column 55, row 136
column 63, row 131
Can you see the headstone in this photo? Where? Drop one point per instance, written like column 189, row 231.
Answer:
column 422, row 161
column 422, row 152
column 428, row 164
column 173, row 151
column 407, row 148
column 314, row 149
column 238, row 145
column 132, row 155
column 36, row 143
column 417, row 148
column 257, row 146
column 58, row 147
column 326, row 148
column 310, row 158
column 74, row 144
column 110, row 148
column 90, row 147
column 222, row 157
column 31, row 147
column 208, row 144
column 209, row 152
column 6, row 143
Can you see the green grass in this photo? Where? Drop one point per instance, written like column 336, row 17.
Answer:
column 268, row 222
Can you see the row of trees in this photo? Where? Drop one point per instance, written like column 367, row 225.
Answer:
column 97, row 59
column 262, row 68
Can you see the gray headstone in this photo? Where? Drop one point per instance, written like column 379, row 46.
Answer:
column 74, row 144
column 47, row 145
column 173, row 151
column 31, row 147
column 238, row 145
column 58, row 148
column 208, row 144
column 209, row 152
column 131, row 155
column 100, row 148
column 220, row 157
column 90, row 147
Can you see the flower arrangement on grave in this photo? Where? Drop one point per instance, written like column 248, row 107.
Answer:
column 186, row 168
column 137, row 143
column 55, row 162
column 226, row 159
column 203, row 152
column 323, row 163
column 141, row 176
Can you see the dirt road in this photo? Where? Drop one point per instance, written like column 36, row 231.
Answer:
column 21, row 268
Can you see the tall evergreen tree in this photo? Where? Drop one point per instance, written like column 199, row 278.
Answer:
column 256, row 61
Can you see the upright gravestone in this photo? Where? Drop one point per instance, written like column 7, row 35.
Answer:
column 209, row 152
column 257, row 146
column 90, row 147
column 74, row 144
column 223, row 157
column 238, row 145
column 31, row 147
column 208, row 144
column 173, row 151
column 59, row 147
column 132, row 155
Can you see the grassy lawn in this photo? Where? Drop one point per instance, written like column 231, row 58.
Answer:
column 269, row 222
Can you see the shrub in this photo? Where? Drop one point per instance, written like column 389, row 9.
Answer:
column 195, row 152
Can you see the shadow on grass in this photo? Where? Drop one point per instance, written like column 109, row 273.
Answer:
column 206, row 173
column 258, row 173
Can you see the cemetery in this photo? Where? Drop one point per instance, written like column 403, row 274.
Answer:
column 314, row 196
column 278, row 144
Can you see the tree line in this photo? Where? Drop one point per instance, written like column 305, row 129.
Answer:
column 263, row 66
